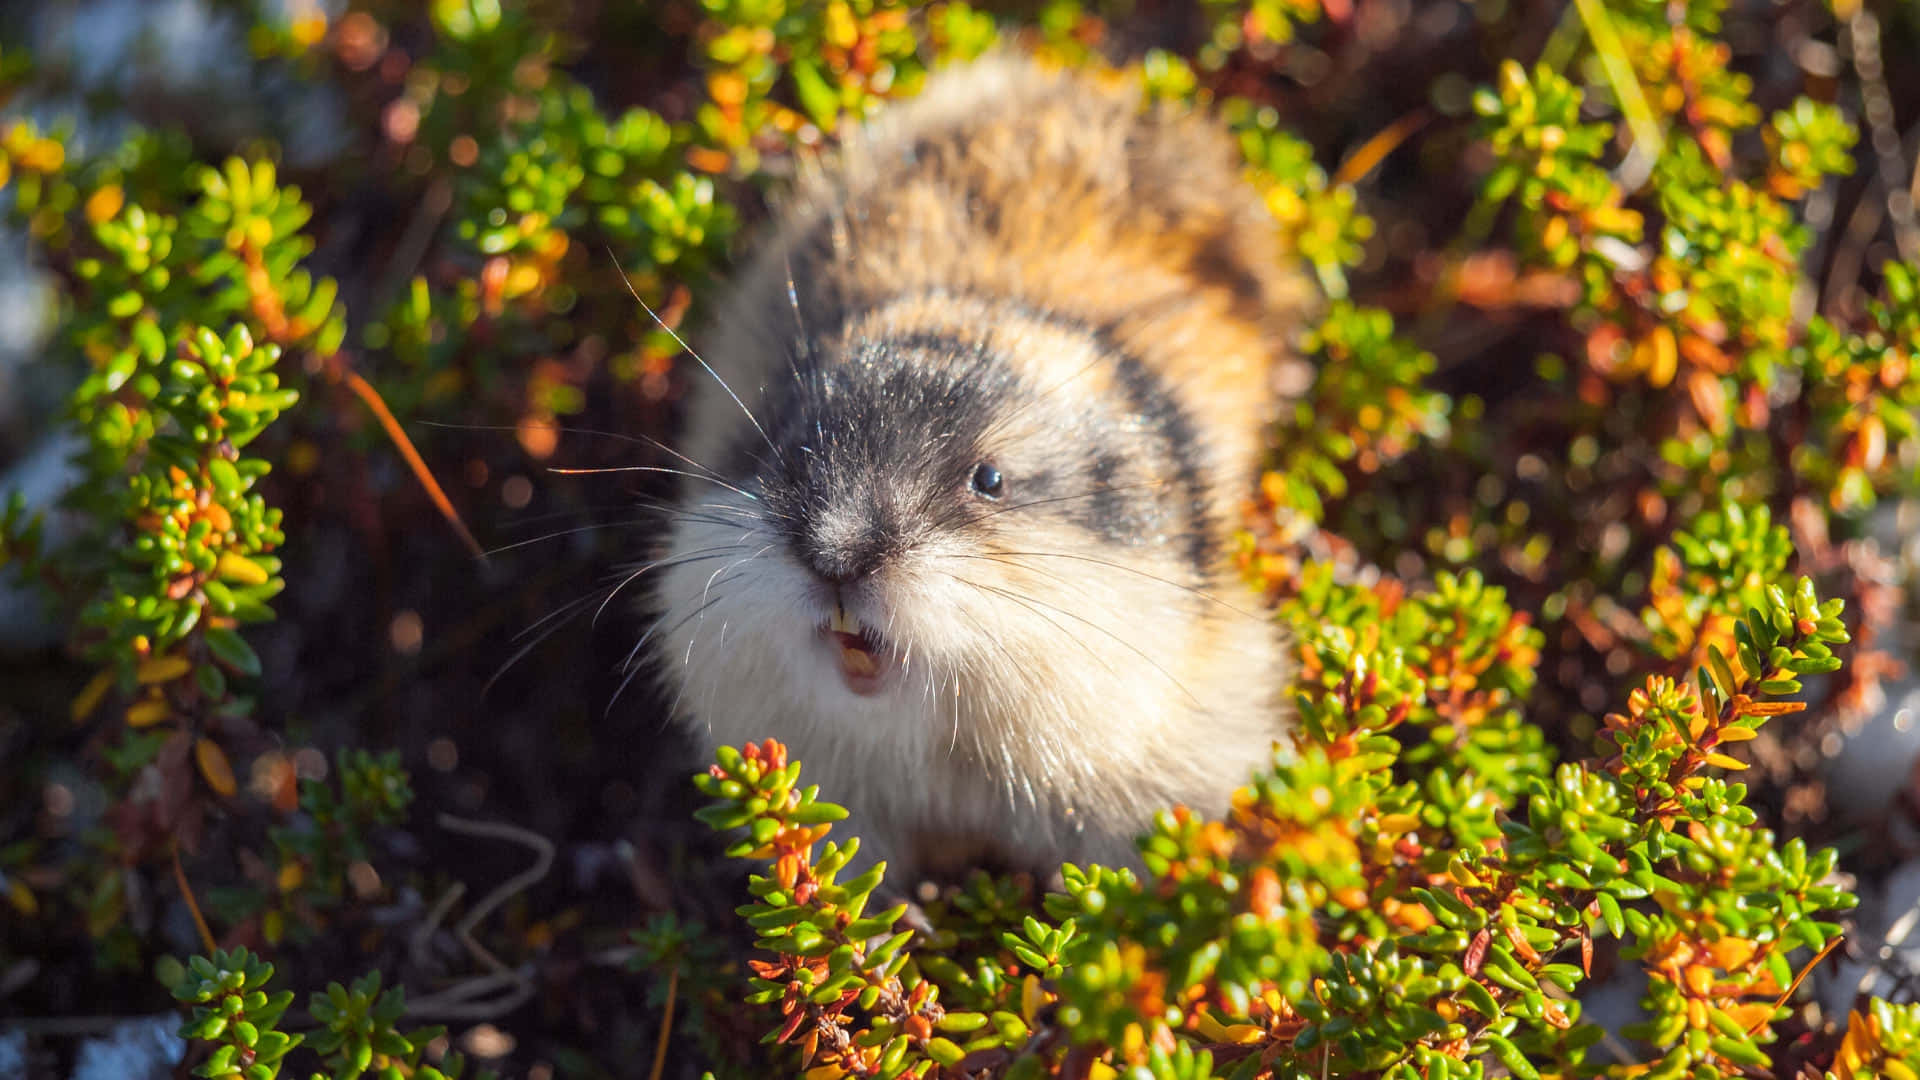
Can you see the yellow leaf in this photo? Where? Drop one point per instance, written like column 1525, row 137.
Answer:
column 147, row 713
column 162, row 669
column 213, row 766
column 21, row 898
column 234, row 566
column 309, row 31
column 88, row 699
column 1030, row 998
column 1210, row 1028
column 1725, row 762
column 1660, row 357
column 1737, row 734
column 1399, row 823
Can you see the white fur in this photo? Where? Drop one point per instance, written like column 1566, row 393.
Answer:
column 1051, row 718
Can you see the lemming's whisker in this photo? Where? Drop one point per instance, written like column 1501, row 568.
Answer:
column 553, row 620
column 682, row 342
column 1169, row 582
column 510, row 522
column 561, row 613
column 565, row 471
column 563, row 533
column 719, row 551
column 686, row 661
column 1024, row 602
column 661, row 514
column 643, row 440
column 633, row 669
column 578, row 601
column 998, row 648
column 799, row 323
column 673, row 511
column 953, row 740
column 713, row 685
column 742, row 562
column 1136, row 650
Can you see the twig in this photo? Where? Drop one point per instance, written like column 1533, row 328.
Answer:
column 666, row 1025
column 1383, row 142
column 186, row 893
column 1825, row 952
column 417, row 943
column 371, row 397
column 543, row 861
column 454, row 1003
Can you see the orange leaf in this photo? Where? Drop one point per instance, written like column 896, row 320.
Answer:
column 1769, row 708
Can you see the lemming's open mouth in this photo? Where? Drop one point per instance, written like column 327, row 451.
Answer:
column 863, row 658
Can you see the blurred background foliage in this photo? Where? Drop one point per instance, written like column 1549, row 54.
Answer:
column 304, row 302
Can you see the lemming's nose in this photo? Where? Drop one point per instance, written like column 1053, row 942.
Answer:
column 848, row 543
column 844, row 564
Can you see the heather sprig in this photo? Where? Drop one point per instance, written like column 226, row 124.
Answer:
column 237, row 1024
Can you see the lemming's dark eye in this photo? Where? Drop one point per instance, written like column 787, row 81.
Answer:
column 987, row 481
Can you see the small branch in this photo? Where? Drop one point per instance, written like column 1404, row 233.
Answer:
column 186, row 893
column 666, row 1025
column 455, row 1002
column 506, row 890
column 417, row 944
column 366, row 393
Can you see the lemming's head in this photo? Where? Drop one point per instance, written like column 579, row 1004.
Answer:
column 929, row 510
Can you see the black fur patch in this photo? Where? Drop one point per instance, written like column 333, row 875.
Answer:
column 1149, row 395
